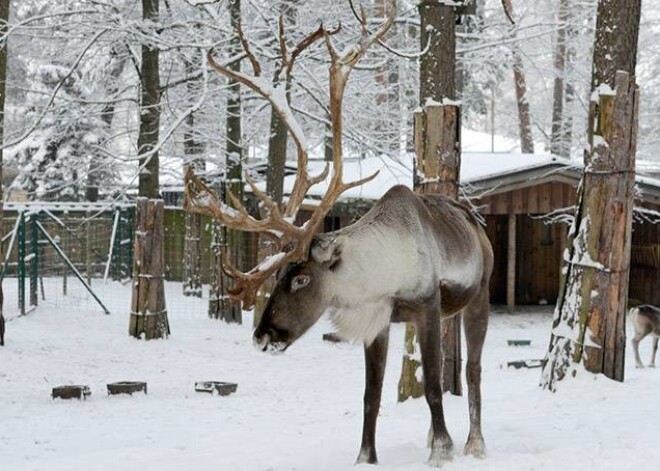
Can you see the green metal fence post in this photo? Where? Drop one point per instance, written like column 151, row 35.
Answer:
column 34, row 260
column 21, row 263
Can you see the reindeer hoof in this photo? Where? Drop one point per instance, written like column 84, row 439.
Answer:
column 441, row 451
column 475, row 447
column 367, row 456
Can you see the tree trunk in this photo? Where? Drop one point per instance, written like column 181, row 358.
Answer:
column 4, row 27
column 234, row 162
column 193, row 150
column 148, row 311
column 589, row 322
column 617, row 32
column 386, row 128
column 437, row 68
column 558, row 145
column 524, row 116
column 149, row 111
column 437, row 75
column 219, row 302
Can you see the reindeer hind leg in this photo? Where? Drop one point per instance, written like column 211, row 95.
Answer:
column 639, row 335
column 654, row 351
column 475, row 322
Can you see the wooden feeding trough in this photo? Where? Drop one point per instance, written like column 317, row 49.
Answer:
column 127, row 387
column 73, row 391
column 217, row 388
column 519, row 343
column 526, row 363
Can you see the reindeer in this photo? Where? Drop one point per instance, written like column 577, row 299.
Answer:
column 645, row 320
column 410, row 258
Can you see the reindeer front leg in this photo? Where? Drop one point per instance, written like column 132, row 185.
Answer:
column 428, row 330
column 375, row 358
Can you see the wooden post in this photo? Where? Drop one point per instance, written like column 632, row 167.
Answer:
column 148, row 312
column 438, row 152
column 511, row 264
column 591, row 311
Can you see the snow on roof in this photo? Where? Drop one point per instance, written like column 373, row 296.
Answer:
column 474, row 167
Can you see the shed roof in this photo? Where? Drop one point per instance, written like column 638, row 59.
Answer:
column 480, row 171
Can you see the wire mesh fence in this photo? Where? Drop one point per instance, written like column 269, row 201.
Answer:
column 81, row 255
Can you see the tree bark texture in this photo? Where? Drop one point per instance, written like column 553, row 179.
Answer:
column 148, row 311
column 589, row 323
column 617, row 33
column 149, row 110
column 192, row 264
column 437, row 68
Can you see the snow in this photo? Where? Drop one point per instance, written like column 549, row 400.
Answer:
column 474, row 166
column 297, row 411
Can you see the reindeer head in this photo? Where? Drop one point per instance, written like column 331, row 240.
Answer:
column 301, row 295
column 298, row 299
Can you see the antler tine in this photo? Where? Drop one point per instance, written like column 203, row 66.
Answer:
column 199, row 198
column 246, row 285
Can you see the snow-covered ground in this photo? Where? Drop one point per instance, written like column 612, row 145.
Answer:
column 297, row 411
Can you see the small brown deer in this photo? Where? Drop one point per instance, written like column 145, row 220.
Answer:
column 411, row 258
column 645, row 320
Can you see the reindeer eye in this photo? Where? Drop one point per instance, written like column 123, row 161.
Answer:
column 299, row 282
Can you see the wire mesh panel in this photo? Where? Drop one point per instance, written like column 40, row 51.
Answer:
column 71, row 254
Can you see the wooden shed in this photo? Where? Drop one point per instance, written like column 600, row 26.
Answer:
column 528, row 245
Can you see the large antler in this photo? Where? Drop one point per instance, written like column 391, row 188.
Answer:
column 292, row 241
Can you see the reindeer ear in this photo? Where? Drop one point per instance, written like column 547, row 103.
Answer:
column 326, row 250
